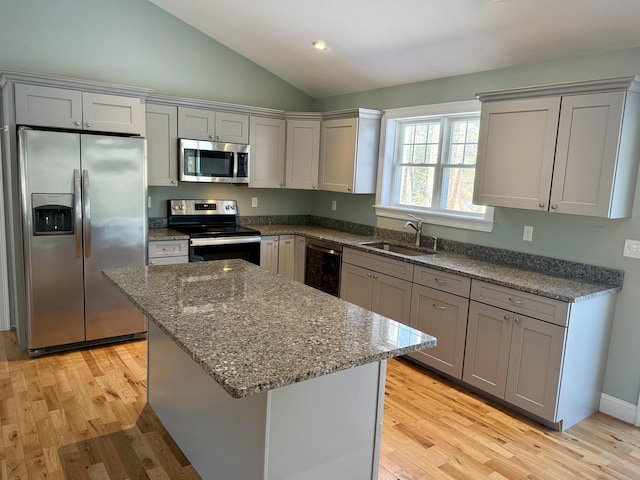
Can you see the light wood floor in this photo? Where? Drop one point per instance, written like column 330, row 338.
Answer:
column 82, row 415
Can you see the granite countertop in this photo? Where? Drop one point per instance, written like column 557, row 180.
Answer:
column 550, row 286
column 562, row 288
column 254, row 331
column 162, row 234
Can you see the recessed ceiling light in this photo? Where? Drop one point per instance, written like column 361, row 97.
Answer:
column 319, row 45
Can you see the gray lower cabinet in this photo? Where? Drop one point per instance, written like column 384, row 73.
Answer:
column 165, row 252
column 444, row 316
column 277, row 254
column 363, row 282
column 540, row 355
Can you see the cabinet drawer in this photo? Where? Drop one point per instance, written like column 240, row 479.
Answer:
column 447, row 282
column 377, row 263
column 168, row 260
column 169, row 248
column 542, row 308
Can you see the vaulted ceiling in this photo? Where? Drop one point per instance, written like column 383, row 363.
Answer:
column 379, row 43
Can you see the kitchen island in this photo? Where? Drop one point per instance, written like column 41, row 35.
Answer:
column 259, row 377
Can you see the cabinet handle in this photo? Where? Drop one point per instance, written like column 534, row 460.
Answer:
column 315, row 187
column 88, row 125
column 212, row 137
column 439, row 307
column 368, row 275
column 541, row 205
column 77, row 124
column 516, row 302
column 440, row 281
column 375, row 276
column 516, row 319
column 506, row 317
column 152, row 262
column 348, row 189
column 553, row 207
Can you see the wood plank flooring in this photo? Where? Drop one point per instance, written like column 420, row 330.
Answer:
column 82, row 415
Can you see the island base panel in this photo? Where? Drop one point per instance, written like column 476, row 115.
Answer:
column 325, row 427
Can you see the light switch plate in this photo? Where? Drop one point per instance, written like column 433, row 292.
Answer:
column 631, row 248
column 254, row 202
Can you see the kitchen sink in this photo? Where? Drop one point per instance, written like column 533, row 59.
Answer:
column 401, row 249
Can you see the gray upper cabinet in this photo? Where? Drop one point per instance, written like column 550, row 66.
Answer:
column 45, row 106
column 196, row 123
column 268, row 143
column 349, row 151
column 206, row 124
column 571, row 148
column 303, row 154
column 162, row 145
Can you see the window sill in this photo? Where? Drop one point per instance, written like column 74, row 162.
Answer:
column 436, row 218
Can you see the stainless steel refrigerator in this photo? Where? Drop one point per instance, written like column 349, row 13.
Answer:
column 83, row 207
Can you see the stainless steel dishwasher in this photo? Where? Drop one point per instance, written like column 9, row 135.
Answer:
column 322, row 266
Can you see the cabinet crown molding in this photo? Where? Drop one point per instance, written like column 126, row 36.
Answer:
column 74, row 84
column 631, row 83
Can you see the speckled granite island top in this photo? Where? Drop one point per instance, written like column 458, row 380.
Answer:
column 254, row 331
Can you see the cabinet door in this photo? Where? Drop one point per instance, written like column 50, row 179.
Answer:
column 486, row 354
column 587, row 151
column 269, row 253
column 535, row 362
column 338, row 155
column 48, row 106
column 391, row 297
column 444, row 316
column 267, row 137
column 112, row 113
column 516, row 152
column 303, row 154
column 356, row 285
column 162, row 145
column 232, row 127
column 286, row 256
column 196, row 123
column 300, row 256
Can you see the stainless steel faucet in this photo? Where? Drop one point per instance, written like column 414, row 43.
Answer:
column 416, row 226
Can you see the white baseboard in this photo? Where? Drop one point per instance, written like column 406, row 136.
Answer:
column 619, row 409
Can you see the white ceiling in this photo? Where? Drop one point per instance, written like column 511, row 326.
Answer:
column 380, row 43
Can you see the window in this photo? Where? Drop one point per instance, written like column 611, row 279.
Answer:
column 427, row 165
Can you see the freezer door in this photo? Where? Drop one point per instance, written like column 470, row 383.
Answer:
column 113, row 177
column 55, row 306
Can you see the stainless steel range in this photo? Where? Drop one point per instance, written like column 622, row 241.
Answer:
column 214, row 233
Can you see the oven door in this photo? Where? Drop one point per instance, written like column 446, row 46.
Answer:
column 224, row 248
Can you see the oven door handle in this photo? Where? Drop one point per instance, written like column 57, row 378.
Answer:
column 204, row 242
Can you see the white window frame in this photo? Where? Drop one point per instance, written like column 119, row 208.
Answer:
column 384, row 190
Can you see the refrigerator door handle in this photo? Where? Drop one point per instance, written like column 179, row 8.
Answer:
column 77, row 210
column 86, row 211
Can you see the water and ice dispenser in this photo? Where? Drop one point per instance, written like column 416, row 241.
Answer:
column 52, row 213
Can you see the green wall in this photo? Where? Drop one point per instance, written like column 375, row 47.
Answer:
column 135, row 43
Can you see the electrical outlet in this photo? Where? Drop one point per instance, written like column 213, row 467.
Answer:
column 334, row 205
column 254, row 202
column 527, row 234
column 631, row 248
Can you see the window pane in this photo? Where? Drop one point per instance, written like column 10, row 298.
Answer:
column 419, row 153
column 421, row 133
column 463, row 147
column 458, row 190
column 416, row 186
column 407, row 154
column 434, row 132
column 409, row 133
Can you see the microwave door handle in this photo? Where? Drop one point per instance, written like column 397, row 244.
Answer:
column 77, row 211
column 86, row 211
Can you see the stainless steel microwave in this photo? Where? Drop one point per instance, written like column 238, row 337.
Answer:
column 202, row 161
